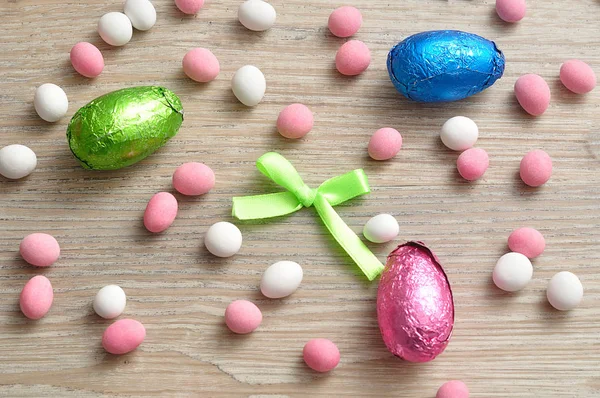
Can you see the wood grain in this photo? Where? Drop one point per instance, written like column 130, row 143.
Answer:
column 504, row 345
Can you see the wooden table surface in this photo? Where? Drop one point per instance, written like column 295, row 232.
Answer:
column 504, row 345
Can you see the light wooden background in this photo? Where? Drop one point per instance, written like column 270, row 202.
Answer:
column 504, row 345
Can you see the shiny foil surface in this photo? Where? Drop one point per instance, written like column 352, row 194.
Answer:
column 123, row 127
column 444, row 65
column 415, row 309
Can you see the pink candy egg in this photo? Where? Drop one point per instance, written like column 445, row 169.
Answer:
column 160, row 212
column 86, row 59
column 353, row 58
column 511, row 10
column 36, row 297
column 536, row 168
column 41, row 250
column 123, row 336
column 321, row 355
column 577, row 76
column 533, row 94
column 527, row 241
column 385, row 143
column 190, row 7
column 193, row 179
column 295, row 121
column 415, row 307
column 201, row 65
column 242, row 316
column 472, row 163
column 344, row 21
column 453, row 389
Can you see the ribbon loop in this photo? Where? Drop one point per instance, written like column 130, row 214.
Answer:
column 331, row 193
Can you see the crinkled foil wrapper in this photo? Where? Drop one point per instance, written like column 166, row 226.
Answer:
column 121, row 128
column 415, row 308
column 444, row 65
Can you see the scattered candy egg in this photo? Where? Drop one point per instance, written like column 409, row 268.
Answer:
column 110, row 302
column 512, row 272
column 41, row 250
column 189, row 7
column 50, row 102
column 344, row 21
column 472, row 163
column 115, row 28
column 527, row 241
column 459, row 133
column 201, row 65
column 193, row 179
column 17, row 161
column 36, row 297
column 353, row 58
column 86, row 59
column 223, row 239
column 533, row 94
column 257, row 15
column 564, row 291
column 321, row 355
column 535, row 168
column 249, row 85
column 381, row 229
column 281, row 279
column 511, row 10
column 577, row 76
column 141, row 13
column 160, row 212
column 123, row 336
column 295, row 121
column 242, row 316
column 415, row 307
column 453, row 389
column 385, row 143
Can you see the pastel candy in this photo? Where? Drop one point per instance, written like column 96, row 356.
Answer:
column 36, row 297
column 86, row 59
column 160, row 212
column 123, row 336
column 577, row 76
column 533, row 94
column 321, row 355
column 242, row 316
column 41, row 250
column 193, row 179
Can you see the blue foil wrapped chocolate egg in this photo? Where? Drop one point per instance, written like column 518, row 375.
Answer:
column 444, row 65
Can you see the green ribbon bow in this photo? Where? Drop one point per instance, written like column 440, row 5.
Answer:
column 331, row 193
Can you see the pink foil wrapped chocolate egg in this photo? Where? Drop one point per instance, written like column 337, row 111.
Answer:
column 415, row 309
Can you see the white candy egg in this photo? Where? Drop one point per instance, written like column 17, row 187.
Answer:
column 512, row 272
column 110, row 302
column 141, row 13
column 459, row 133
column 223, row 239
column 565, row 291
column 257, row 15
column 50, row 102
column 17, row 161
column 249, row 85
column 115, row 28
column 381, row 228
column 281, row 279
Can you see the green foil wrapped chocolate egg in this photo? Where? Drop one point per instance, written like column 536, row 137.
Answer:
column 121, row 128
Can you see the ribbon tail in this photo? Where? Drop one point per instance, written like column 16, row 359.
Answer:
column 264, row 206
column 362, row 256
